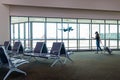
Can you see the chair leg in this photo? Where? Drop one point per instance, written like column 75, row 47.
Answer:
column 20, row 71
column 67, row 57
column 12, row 70
column 9, row 72
column 30, row 58
column 60, row 61
column 54, row 62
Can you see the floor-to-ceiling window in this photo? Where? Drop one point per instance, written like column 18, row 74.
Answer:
column 69, row 32
column 19, row 30
column 37, row 30
column 74, row 32
column 98, row 25
column 84, row 33
column 111, row 33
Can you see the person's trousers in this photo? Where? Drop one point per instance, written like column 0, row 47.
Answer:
column 98, row 46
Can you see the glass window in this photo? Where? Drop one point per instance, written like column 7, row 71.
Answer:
column 75, row 33
column 113, row 35
column 38, row 30
column 26, row 31
column 119, row 36
column 70, row 20
column 12, row 31
column 84, row 21
column 107, row 32
column 49, row 44
column 16, row 31
column 102, row 31
column 111, row 21
column 66, row 44
column 73, row 44
column 33, row 19
column 113, row 44
column 72, row 30
column 98, row 21
column 84, row 44
column 53, row 19
column 84, row 31
column 65, row 31
column 59, row 31
column 19, row 19
column 95, row 27
column 113, row 32
column 51, row 31
column 22, row 31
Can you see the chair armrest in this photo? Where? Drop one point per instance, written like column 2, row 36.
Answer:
column 69, row 52
column 28, row 51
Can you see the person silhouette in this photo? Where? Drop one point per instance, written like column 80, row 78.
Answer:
column 97, row 38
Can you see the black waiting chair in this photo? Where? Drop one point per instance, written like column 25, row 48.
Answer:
column 39, row 48
column 7, row 45
column 17, row 49
column 11, row 63
column 65, row 53
column 54, row 53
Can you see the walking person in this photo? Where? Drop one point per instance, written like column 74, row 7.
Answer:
column 97, row 37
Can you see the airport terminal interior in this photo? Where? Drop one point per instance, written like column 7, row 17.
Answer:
column 55, row 40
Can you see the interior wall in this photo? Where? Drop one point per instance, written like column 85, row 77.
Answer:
column 4, row 23
column 63, row 12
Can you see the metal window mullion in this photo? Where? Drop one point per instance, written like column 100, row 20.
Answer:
column 19, row 32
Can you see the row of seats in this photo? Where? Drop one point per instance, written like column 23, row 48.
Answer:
column 57, row 51
column 40, row 50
